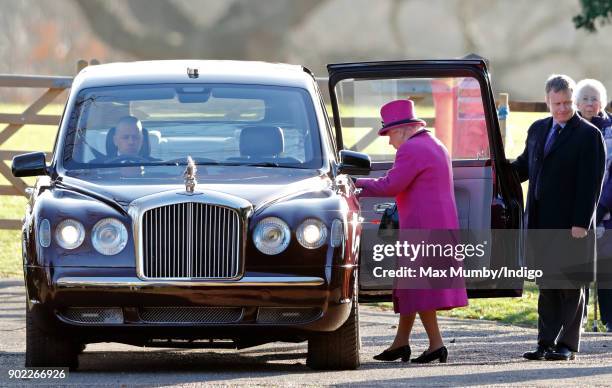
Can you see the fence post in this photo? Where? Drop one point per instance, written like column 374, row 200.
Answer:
column 503, row 109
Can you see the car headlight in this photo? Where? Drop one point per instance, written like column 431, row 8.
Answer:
column 109, row 236
column 312, row 233
column 271, row 235
column 70, row 234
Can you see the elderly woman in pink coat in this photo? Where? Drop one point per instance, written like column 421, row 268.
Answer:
column 421, row 180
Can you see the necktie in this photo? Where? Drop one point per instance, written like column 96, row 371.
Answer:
column 551, row 139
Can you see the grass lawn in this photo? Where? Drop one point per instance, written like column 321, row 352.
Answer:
column 10, row 254
column 510, row 310
column 515, row 311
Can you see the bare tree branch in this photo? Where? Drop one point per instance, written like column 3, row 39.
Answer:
column 249, row 29
column 465, row 17
column 395, row 23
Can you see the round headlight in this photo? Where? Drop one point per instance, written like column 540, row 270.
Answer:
column 271, row 235
column 70, row 234
column 109, row 236
column 312, row 233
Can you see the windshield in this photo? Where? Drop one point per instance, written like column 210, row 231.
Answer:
column 215, row 124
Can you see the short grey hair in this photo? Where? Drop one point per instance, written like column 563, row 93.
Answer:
column 131, row 121
column 559, row 82
column 589, row 83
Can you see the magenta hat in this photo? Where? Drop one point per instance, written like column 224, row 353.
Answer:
column 397, row 113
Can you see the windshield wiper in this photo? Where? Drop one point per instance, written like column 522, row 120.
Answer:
column 215, row 163
column 262, row 164
column 184, row 164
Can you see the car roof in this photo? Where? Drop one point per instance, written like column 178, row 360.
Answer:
column 176, row 71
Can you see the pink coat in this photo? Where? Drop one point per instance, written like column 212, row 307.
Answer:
column 421, row 180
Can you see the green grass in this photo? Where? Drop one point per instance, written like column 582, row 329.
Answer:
column 10, row 254
column 29, row 138
column 514, row 311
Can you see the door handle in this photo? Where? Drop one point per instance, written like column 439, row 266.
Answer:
column 381, row 207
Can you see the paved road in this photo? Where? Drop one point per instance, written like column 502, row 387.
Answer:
column 481, row 353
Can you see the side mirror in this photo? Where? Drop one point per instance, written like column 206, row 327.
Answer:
column 32, row 164
column 354, row 163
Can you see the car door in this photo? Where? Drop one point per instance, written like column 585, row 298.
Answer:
column 455, row 98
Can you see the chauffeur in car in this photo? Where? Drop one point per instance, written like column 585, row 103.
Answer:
column 258, row 247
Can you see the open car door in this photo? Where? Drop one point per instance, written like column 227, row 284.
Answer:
column 454, row 97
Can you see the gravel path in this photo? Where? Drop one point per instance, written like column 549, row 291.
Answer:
column 481, row 353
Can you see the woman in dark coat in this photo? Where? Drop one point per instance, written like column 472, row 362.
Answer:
column 591, row 99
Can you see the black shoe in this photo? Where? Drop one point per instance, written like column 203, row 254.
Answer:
column 537, row 354
column 560, row 353
column 438, row 354
column 402, row 352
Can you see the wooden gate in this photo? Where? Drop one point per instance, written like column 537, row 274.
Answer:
column 53, row 87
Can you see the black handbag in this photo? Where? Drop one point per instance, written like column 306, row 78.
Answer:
column 389, row 224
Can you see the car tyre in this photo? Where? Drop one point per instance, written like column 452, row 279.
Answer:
column 339, row 349
column 45, row 350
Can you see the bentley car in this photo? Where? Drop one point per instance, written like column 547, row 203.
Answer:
column 208, row 203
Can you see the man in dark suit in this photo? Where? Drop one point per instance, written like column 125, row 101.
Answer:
column 564, row 160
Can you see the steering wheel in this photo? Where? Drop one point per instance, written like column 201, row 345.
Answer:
column 122, row 159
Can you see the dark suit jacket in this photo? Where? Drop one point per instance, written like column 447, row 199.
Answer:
column 570, row 183
column 570, row 175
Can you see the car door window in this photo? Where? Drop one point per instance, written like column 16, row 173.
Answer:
column 451, row 106
column 455, row 100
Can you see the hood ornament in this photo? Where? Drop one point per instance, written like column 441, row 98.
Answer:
column 190, row 175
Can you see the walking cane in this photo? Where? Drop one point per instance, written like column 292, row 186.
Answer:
column 595, row 327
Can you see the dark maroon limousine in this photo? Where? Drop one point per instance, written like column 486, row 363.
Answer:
column 207, row 203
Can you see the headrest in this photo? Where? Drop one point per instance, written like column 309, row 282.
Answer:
column 261, row 141
column 111, row 148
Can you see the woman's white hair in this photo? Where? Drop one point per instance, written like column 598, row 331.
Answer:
column 593, row 84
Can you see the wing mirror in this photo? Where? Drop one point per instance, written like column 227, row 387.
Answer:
column 354, row 163
column 31, row 164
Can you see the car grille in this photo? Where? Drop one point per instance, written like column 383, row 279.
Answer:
column 93, row 315
column 191, row 241
column 190, row 314
column 287, row 315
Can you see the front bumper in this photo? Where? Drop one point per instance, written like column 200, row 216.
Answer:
column 134, row 283
column 54, row 291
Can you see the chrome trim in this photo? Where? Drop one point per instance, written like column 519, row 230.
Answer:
column 267, row 310
column 134, row 282
column 381, row 207
column 137, row 209
column 63, row 317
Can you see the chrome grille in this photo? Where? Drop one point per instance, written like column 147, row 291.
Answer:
column 191, row 241
column 287, row 315
column 93, row 315
column 190, row 314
